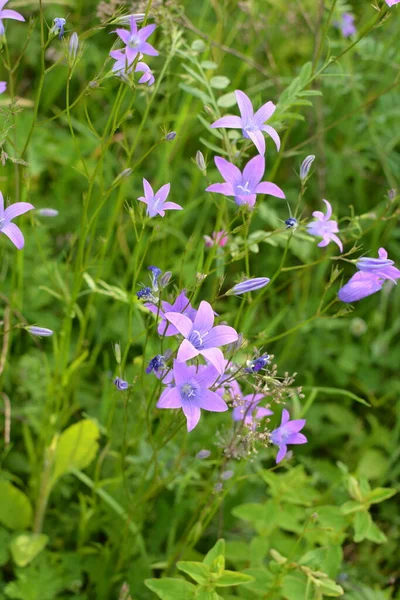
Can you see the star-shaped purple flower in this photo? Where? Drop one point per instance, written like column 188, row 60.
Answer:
column 135, row 40
column 324, row 227
column 370, row 278
column 122, row 67
column 287, row 433
column 181, row 306
column 392, row 2
column 248, row 411
column 252, row 125
column 8, row 14
column 156, row 202
column 201, row 337
column 11, row 230
column 244, row 186
column 191, row 392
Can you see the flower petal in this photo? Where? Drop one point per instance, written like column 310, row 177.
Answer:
column 146, row 48
column 14, row 233
column 183, row 324
column 295, row 426
column 258, row 140
column 220, row 336
column 221, row 188
column 266, row 187
column 17, row 209
column 192, row 413
column 146, row 32
column 382, row 253
column 360, row 286
column 1, row 206
column 230, row 122
column 170, row 398
column 212, row 402
column 123, row 34
column 264, row 113
column 229, row 172
column 253, row 171
column 215, row 357
column 11, row 14
column 207, row 376
column 297, row 438
column 273, row 135
column 186, row 351
column 328, row 210
column 249, row 200
column 148, row 190
column 182, row 372
column 172, row 206
column 205, row 317
column 282, row 453
column 245, row 105
column 285, row 417
column 163, row 192
column 337, row 241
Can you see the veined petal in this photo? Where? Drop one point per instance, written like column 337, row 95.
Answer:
column 245, row 105
column 148, row 49
column 148, row 190
column 221, row 188
column 215, row 357
column 285, row 417
column 207, row 376
column 229, row 172
column 182, row 372
column 163, row 192
column 204, row 319
column 220, row 336
column 273, row 135
column 282, row 453
column 182, row 323
column 297, row 438
column 172, row 206
column 186, row 351
column 211, row 401
column 123, row 34
column 146, row 32
column 258, row 140
column 266, row 187
column 360, row 286
column 17, row 209
column 11, row 14
column 253, row 171
column 264, row 113
column 230, row 122
column 192, row 413
column 14, row 233
column 170, row 398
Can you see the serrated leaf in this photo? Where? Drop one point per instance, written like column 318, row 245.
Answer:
column 171, row 588
column 15, row 508
column 24, row 548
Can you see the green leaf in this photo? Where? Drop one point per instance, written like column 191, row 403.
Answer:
column 294, row 587
column 213, row 147
column 76, row 448
column 208, row 64
column 171, row 589
column 351, row 507
column 25, row 547
column 232, row 578
column 330, row 588
column 337, row 392
column 220, row 82
column 362, row 521
column 4, row 541
column 217, row 550
column 15, row 508
column 227, row 100
column 375, row 534
column 198, row 45
column 327, row 559
column 197, row 571
column 379, row 495
column 204, row 594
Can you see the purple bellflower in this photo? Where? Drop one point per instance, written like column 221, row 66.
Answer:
column 252, row 125
column 324, row 227
column 3, row 86
column 58, row 27
column 156, row 202
column 11, row 230
column 306, row 166
column 191, row 392
column 372, row 272
column 135, row 41
column 122, row 67
column 120, row 384
column 291, row 223
column 244, row 186
column 249, row 411
column 181, row 306
column 156, row 363
column 201, row 337
column 8, row 14
column 392, row 2
column 250, row 285
column 346, row 25
column 287, row 433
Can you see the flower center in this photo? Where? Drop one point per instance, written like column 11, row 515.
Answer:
column 188, row 391
column 133, row 42
column 196, row 339
column 244, row 189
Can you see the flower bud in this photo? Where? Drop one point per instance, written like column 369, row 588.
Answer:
column 305, row 167
column 39, row 331
column 170, row 136
column 200, row 161
column 47, row 212
column 73, row 47
column 250, row 285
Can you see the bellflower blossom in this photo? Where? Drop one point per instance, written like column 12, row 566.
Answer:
column 287, row 433
column 156, row 363
column 346, row 25
column 122, row 67
column 244, row 186
column 249, row 412
column 370, row 278
column 291, row 223
column 201, row 337
column 392, row 2
column 8, row 14
column 250, row 285
column 181, row 306
column 259, row 363
column 120, row 384
column 3, row 86
column 156, row 202
column 218, row 238
column 191, row 392
column 252, row 125
column 11, row 230
column 324, row 227
column 135, row 40
column 58, row 27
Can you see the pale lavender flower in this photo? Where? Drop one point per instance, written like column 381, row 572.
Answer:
column 58, row 27
column 370, row 278
column 125, row 19
column 392, row 2
column 191, row 392
column 306, row 166
column 346, row 25
column 203, row 454
column 324, row 227
column 155, row 276
column 219, row 238
column 252, row 125
column 249, row 412
column 120, row 384
column 47, row 212
column 122, row 67
column 287, row 433
column 244, row 186
column 39, row 331
column 3, row 86
column 156, row 202
column 8, row 14
column 250, row 285
column 136, row 40
column 11, row 230
column 201, row 337
column 181, row 306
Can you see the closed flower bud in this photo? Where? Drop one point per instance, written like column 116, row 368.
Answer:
column 250, row 285
column 73, row 47
column 305, row 167
column 39, row 331
column 200, row 161
column 170, row 136
column 47, row 212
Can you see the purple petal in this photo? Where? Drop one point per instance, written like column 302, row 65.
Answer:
column 172, row 206
column 229, row 122
column 382, row 253
column 272, row 134
column 360, row 286
column 207, row 376
column 17, row 209
column 229, row 172
column 318, row 215
column 212, row 402
column 262, row 412
column 264, row 113
column 282, row 453
column 182, row 372
column 297, row 438
column 192, row 413
column 285, row 417
column 11, row 14
column 328, row 210
column 131, row 54
column 148, row 49
column 123, row 34
column 258, row 140
column 170, row 398
column 245, row 105
column 163, row 192
column 266, row 187
column 253, row 399
column 133, row 25
column 249, row 200
column 183, row 324
column 215, row 357
column 14, row 233
column 295, row 426
column 148, row 190
column 205, row 317
column 1, row 204
column 186, row 351
column 337, row 241
column 146, row 32
column 253, row 171
column 219, row 336
column 221, row 188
